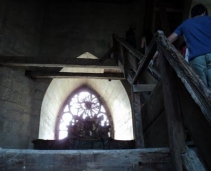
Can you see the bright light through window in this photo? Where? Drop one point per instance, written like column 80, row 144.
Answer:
column 84, row 106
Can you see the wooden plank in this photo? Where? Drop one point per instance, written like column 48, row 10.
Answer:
column 157, row 134
column 153, row 107
column 137, row 120
column 197, row 124
column 191, row 161
column 129, row 74
column 124, row 54
column 154, row 72
column 89, row 160
column 173, row 113
column 143, row 87
column 56, row 62
column 110, row 76
column 132, row 51
column 147, row 77
column 145, row 61
column 133, row 62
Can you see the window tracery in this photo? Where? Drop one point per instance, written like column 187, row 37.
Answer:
column 84, row 116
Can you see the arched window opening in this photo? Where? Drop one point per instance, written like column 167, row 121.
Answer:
column 84, row 116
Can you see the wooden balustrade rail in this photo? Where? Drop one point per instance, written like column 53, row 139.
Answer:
column 186, row 99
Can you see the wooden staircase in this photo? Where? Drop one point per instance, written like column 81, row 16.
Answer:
column 171, row 108
column 167, row 105
column 178, row 106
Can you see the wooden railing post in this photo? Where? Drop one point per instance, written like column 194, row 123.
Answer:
column 145, row 61
column 173, row 113
column 137, row 120
column 125, row 61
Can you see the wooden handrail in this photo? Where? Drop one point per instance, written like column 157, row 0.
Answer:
column 146, row 59
column 143, row 59
column 192, row 102
column 182, row 89
column 134, row 52
column 199, row 92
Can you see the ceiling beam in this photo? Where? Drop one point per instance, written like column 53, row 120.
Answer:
column 41, row 75
column 28, row 61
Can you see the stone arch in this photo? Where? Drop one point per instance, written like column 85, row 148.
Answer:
column 112, row 92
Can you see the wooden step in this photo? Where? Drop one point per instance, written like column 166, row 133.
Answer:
column 86, row 160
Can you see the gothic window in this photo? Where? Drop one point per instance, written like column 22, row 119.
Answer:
column 84, row 116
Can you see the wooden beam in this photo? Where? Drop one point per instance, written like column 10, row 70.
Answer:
column 154, row 72
column 148, row 77
column 197, row 117
column 129, row 74
column 25, row 61
column 173, row 113
column 153, row 107
column 107, row 55
column 137, row 120
column 135, row 159
column 126, row 64
column 191, row 161
column 109, row 76
column 143, row 87
column 131, row 50
column 197, row 124
column 145, row 61
column 133, row 62
column 197, row 89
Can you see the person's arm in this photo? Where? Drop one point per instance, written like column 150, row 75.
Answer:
column 172, row 37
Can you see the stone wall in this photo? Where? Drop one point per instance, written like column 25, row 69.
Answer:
column 74, row 28
column 20, row 97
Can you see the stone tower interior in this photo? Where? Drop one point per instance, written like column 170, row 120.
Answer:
column 41, row 39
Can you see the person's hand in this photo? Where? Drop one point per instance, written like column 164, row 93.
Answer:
column 151, row 63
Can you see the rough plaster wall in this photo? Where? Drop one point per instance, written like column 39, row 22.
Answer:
column 76, row 27
column 20, row 28
column 20, row 97
column 54, row 98
column 111, row 92
column 119, row 105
